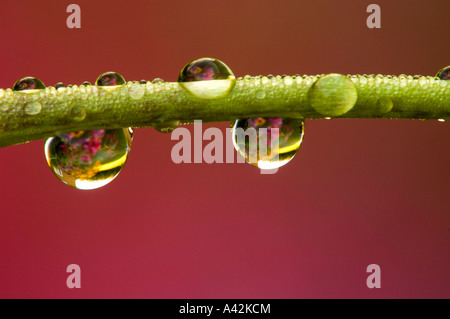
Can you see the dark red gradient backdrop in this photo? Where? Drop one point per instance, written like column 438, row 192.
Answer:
column 358, row 192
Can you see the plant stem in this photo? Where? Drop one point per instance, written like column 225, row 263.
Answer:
column 36, row 114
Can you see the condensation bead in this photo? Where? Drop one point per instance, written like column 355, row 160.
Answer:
column 260, row 148
column 444, row 73
column 207, row 78
column 167, row 126
column 88, row 159
column 32, row 108
column 110, row 79
column 136, row 91
column 384, row 105
column 157, row 80
column 28, row 83
column 333, row 95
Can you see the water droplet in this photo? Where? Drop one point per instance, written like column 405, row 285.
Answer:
column 444, row 73
column 207, row 78
column 157, row 80
column 59, row 85
column 136, row 91
column 260, row 94
column 333, row 95
column 166, row 127
column 88, row 159
column 32, row 108
column 441, row 120
column 263, row 132
column 110, row 79
column 384, row 105
column 143, row 82
column 78, row 113
column 28, row 83
column 86, row 83
column 288, row 80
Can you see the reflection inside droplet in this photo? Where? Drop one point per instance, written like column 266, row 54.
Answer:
column 268, row 142
column 88, row 159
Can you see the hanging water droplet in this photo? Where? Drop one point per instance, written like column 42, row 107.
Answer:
column 444, row 73
column 261, row 149
column 441, row 120
column 333, row 95
column 207, row 78
column 32, row 108
column 110, row 79
column 166, row 127
column 88, row 159
column 28, row 83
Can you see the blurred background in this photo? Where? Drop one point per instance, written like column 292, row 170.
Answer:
column 358, row 192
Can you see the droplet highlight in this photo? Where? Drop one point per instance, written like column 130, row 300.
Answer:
column 333, row 95
column 207, row 78
column 88, row 159
column 28, row 83
column 268, row 142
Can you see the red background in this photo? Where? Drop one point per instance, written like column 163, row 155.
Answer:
column 358, row 192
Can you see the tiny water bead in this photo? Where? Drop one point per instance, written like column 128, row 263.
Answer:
column 88, row 159
column 32, row 108
column 110, row 79
column 384, row 105
column 207, row 78
column 157, row 80
column 333, row 95
column 59, row 85
column 28, row 83
column 289, row 134
column 167, row 126
column 444, row 73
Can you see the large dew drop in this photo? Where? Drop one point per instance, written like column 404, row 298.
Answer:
column 333, row 95
column 28, row 84
column 444, row 73
column 207, row 78
column 110, row 80
column 88, row 159
column 268, row 142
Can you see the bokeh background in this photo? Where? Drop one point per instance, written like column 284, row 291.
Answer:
column 358, row 192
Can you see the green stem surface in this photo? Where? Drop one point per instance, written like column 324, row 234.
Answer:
column 37, row 114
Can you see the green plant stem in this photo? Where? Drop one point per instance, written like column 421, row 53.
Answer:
column 44, row 113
